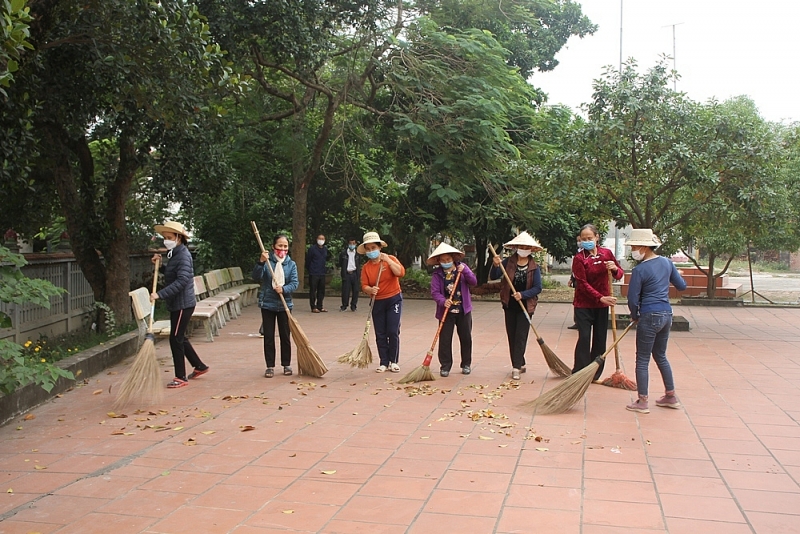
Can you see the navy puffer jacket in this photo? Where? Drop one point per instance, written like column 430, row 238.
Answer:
column 179, row 279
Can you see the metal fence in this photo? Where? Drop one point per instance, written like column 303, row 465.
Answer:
column 69, row 311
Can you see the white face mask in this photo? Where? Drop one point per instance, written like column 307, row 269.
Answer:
column 637, row 255
column 170, row 244
column 320, row 242
column 523, row 253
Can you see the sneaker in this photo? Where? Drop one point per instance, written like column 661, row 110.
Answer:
column 178, row 383
column 444, row 373
column 393, row 367
column 573, row 327
column 669, row 401
column 640, row 406
column 353, row 309
column 343, row 309
column 466, row 370
column 515, row 374
column 381, row 369
column 199, row 372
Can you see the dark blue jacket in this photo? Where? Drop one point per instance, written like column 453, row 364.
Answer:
column 178, row 293
column 268, row 298
column 315, row 260
column 343, row 262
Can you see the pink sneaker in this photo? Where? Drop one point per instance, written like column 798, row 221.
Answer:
column 640, row 405
column 669, row 401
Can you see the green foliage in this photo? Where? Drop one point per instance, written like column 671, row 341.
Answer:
column 15, row 20
column 16, row 288
column 20, row 367
column 417, row 279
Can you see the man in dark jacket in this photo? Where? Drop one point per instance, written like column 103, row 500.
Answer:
column 316, row 257
column 350, row 265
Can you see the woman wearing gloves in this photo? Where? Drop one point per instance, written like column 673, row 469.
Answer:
column 648, row 300
column 284, row 283
column 179, row 297
column 527, row 284
column 459, row 316
column 590, row 268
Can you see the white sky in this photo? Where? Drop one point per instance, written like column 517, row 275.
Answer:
column 723, row 49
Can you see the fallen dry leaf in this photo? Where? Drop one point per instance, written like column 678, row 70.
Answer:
column 9, row 490
column 486, row 438
column 279, row 421
column 208, row 432
column 39, row 467
column 328, row 472
column 288, row 511
column 190, row 442
column 78, row 373
column 178, row 428
column 247, row 428
column 293, row 455
column 542, row 449
column 503, row 446
column 97, row 392
column 29, row 417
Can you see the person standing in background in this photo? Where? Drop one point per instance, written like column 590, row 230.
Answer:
column 350, row 268
column 316, row 258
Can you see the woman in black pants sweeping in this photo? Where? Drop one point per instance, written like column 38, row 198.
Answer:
column 179, row 297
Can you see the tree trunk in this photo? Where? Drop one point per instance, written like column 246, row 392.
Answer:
column 299, row 215
column 711, row 281
column 482, row 266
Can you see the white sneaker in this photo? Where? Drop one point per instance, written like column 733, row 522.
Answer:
column 381, row 369
column 515, row 374
column 393, row 367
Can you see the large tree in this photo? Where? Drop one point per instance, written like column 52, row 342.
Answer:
column 115, row 70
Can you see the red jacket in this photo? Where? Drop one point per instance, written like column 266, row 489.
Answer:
column 591, row 277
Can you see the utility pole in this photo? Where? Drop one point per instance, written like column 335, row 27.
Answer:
column 674, row 54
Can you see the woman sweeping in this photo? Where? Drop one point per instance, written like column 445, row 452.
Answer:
column 388, row 306
column 527, row 284
column 179, row 297
column 285, row 282
column 590, row 268
column 648, row 301
column 459, row 317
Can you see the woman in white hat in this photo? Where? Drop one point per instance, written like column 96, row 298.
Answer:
column 590, row 268
column 648, row 301
column 459, row 318
column 388, row 305
column 527, row 280
column 178, row 293
column 285, row 282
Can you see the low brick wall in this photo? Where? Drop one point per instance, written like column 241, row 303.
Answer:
column 89, row 362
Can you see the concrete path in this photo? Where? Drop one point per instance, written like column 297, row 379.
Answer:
column 355, row 452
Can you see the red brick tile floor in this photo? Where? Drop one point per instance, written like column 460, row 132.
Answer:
column 354, row 451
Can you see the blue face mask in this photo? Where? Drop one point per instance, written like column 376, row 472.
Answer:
column 587, row 245
column 351, row 247
column 447, row 265
column 374, row 254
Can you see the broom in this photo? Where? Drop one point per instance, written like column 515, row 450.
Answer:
column 618, row 379
column 562, row 397
column 143, row 381
column 423, row 372
column 361, row 356
column 553, row 362
column 308, row 361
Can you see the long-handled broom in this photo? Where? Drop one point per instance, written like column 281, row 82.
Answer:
column 361, row 356
column 553, row 362
column 308, row 361
column 423, row 372
column 143, row 381
column 618, row 379
column 564, row 396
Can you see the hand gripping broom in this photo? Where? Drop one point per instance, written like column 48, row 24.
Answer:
column 564, row 396
column 308, row 361
column 553, row 362
column 361, row 356
column 618, row 379
column 143, row 381
column 423, row 372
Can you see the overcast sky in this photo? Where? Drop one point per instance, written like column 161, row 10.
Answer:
column 723, row 49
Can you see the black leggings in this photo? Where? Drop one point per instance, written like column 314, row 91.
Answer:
column 181, row 348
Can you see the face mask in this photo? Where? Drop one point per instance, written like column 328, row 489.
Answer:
column 320, row 242
column 351, row 247
column 523, row 253
column 280, row 253
column 447, row 265
column 374, row 254
column 587, row 245
column 637, row 255
column 170, row 244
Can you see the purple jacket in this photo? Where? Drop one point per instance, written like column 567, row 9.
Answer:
column 468, row 280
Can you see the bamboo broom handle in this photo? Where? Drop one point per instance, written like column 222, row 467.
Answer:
column 613, row 318
column 511, row 286
column 429, row 356
column 153, row 302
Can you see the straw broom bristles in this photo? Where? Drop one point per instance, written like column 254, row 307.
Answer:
column 423, row 372
column 618, row 379
column 309, row 362
column 564, row 396
column 553, row 361
column 143, row 381
column 361, row 356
